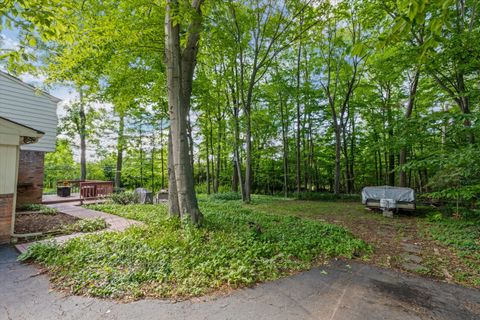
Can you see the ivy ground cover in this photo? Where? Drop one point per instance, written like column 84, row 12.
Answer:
column 236, row 246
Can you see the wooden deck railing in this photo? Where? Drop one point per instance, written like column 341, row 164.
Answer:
column 73, row 184
column 95, row 189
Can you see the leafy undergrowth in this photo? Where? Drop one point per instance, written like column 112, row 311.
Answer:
column 464, row 238
column 40, row 208
column 236, row 246
column 449, row 248
column 86, row 225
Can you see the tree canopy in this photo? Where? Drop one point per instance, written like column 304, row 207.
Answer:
column 263, row 96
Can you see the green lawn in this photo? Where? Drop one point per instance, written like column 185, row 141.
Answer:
column 237, row 246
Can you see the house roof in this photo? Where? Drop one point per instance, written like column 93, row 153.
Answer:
column 15, row 79
column 26, row 131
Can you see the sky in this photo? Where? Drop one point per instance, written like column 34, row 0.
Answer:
column 9, row 40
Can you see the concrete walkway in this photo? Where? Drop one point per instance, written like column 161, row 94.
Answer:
column 341, row 291
column 114, row 223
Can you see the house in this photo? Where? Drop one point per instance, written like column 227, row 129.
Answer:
column 28, row 126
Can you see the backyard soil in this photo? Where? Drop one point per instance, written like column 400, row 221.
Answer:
column 33, row 222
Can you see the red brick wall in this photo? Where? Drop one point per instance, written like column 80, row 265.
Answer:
column 6, row 206
column 30, row 177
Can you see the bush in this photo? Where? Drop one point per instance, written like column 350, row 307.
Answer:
column 125, row 198
column 87, row 225
column 324, row 196
column 40, row 208
column 226, row 196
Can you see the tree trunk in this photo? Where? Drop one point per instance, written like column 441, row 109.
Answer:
column 298, row 141
column 248, row 160
column 83, row 142
column 208, row 163
column 120, row 147
column 338, row 150
column 152, row 164
column 180, row 67
column 408, row 113
column 285, row 148
column 162, row 168
column 236, row 152
column 140, row 147
column 219, row 149
column 173, row 207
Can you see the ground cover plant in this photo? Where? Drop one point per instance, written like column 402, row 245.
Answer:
column 448, row 248
column 40, row 208
column 236, row 246
column 86, row 225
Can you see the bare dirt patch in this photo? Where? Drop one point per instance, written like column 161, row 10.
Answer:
column 33, row 222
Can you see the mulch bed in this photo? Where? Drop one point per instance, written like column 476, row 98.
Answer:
column 33, row 222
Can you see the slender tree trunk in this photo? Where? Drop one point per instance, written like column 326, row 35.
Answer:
column 285, row 147
column 162, row 168
column 298, row 138
column 234, row 177
column 408, row 113
column 236, row 143
column 208, row 163
column 120, row 148
column 338, row 150
column 212, row 160
column 83, row 142
column 140, row 148
column 152, row 164
column 219, row 149
column 248, row 160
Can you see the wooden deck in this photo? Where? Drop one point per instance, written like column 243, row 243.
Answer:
column 53, row 198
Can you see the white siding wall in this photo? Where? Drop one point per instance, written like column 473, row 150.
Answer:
column 24, row 105
column 8, row 165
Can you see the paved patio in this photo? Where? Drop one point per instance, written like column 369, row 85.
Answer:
column 341, row 291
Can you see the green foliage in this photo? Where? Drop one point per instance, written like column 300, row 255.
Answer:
column 464, row 237
column 353, row 79
column 327, row 196
column 86, row 225
column 236, row 246
column 59, row 165
column 43, row 209
column 434, row 216
column 226, row 196
column 124, row 198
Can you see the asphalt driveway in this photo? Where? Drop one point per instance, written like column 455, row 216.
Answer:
column 342, row 290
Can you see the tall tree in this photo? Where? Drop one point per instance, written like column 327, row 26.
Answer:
column 180, row 69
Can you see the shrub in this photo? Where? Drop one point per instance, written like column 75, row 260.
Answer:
column 43, row 209
column 124, row 198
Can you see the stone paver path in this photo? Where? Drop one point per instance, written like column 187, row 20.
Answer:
column 344, row 290
column 412, row 260
column 114, row 223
